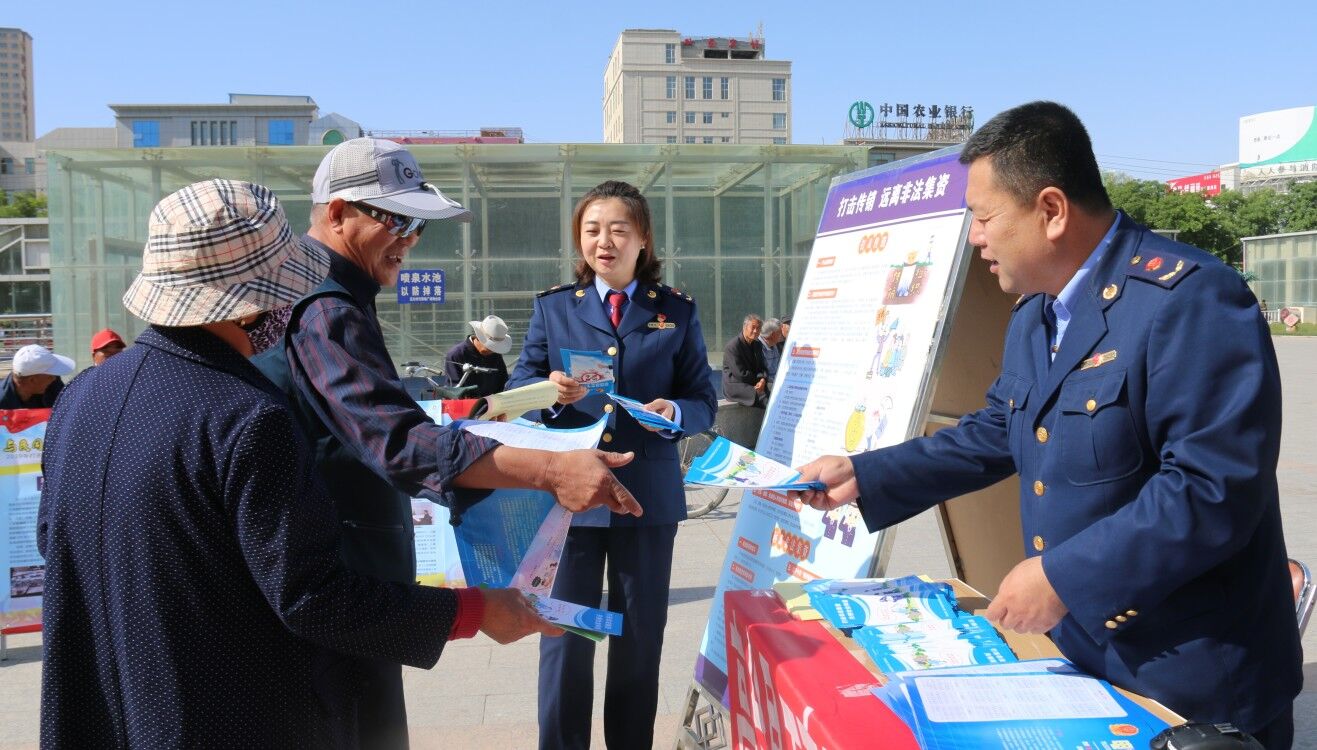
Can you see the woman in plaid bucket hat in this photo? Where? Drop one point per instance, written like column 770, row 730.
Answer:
column 221, row 250
column 194, row 595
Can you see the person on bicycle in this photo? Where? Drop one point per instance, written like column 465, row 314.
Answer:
column 484, row 348
column 649, row 335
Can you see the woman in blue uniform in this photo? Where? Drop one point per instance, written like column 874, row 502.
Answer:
column 618, row 315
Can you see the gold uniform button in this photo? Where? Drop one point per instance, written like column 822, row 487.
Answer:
column 1039, row 488
column 608, row 408
column 1090, row 404
column 612, row 351
column 1121, row 618
column 1011, row 403
column 580, row 292
column 1110, row 292
column 1038, row 543
column 608, row 437
column 652, row 294
column 1132, row 613
column 1111, row 625
column 1136, row 260
column 1042, row 434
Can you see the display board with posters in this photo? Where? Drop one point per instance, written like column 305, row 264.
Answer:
column 866, row 338
column 22, row 432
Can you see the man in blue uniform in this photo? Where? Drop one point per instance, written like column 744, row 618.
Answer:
column 1139, row 400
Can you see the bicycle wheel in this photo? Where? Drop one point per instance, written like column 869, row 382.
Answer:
column 700, row 499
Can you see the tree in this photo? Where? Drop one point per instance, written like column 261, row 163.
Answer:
column 22, row 205
column 1135, row 197
column 1199, row 223
column 1299, row 208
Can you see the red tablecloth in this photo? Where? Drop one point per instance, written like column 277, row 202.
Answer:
column 792, row 685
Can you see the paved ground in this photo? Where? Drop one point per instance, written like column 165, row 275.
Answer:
column 482, row 695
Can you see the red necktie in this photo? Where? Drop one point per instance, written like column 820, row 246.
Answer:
column 615, row 300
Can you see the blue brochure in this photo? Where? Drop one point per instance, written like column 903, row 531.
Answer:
column 646, row 418
column 726, row 464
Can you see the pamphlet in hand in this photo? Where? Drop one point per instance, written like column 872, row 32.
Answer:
column 495, row 539
column 645, row 417
column 516, row 402
column 726, row 464
column 592, row 369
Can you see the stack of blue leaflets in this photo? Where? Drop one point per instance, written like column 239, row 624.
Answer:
column 908, row 623
column 1043, row 704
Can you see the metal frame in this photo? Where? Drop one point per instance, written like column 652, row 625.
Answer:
column 100, row 199
column 1303, row 603
column 704, row 721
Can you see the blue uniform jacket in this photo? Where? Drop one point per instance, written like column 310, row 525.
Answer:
column 658, row 351
column 1147, row 459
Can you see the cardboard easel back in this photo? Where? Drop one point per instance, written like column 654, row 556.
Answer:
column 981, row 531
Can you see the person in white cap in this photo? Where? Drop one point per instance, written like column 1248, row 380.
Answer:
column 35, row 381
column 374, row 447
column 485, row 347
column 193, row 589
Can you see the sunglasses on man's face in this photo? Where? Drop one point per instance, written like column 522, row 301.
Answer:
column 397, row 225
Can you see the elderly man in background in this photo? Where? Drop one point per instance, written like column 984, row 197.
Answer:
column 35, row 381
column 485, row 347
column 745, row 375
column 193, row 586
column 105, row 344
column 375, row 448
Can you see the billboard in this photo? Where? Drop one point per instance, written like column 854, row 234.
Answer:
column 1208, row 183
column 1282, row 143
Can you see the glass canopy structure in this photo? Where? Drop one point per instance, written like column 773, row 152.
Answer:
column 733, row 224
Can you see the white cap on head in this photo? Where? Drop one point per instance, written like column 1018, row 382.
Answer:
column 35, row 359
column 384, row 175
column 492, row 333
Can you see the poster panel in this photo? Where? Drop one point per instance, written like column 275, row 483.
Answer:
column 22, row 432
column 866, row 337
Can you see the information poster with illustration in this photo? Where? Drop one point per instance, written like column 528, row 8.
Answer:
column 857, row 373
column 22, row 432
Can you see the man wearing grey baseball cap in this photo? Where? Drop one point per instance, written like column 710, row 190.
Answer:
column 375, row 448
column 194, row 596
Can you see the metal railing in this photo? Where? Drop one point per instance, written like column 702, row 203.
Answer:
column 1272, row 315
column 17, row 331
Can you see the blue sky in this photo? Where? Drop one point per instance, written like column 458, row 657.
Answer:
column 1160, row 84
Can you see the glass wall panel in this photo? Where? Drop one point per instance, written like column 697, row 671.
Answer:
column 735, row 233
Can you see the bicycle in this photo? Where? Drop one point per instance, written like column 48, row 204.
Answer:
column 441, row 390
column 700, row 499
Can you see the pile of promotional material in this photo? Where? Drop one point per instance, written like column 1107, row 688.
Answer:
column 1045, row 703
column 907, row 624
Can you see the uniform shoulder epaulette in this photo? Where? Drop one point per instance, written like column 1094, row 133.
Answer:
column 1023, row 299
column 555, row 288
column 674, row 292
column 1163, row 269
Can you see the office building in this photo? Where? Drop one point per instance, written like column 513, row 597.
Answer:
column 17, row 111
column 245, row 120
column 663, row 87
